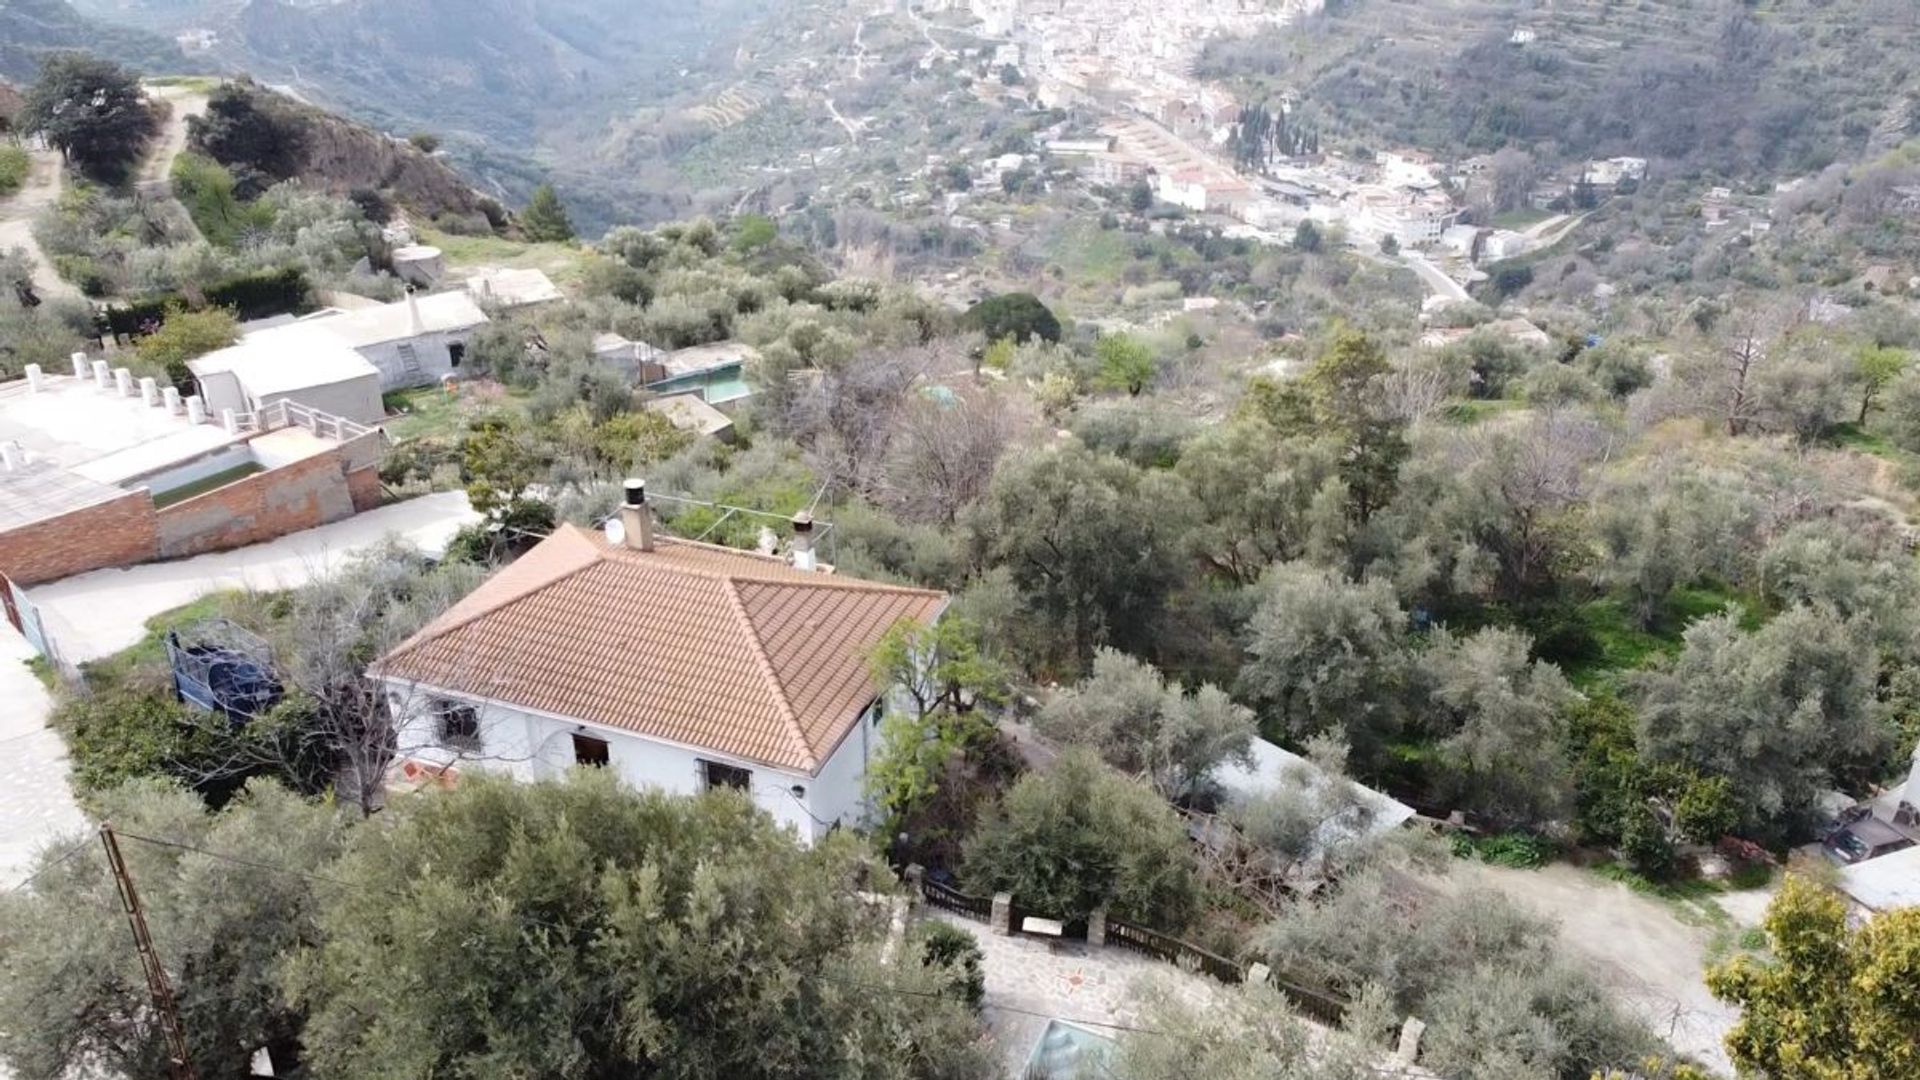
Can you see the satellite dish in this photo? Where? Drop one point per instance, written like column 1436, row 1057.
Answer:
column 615, row 532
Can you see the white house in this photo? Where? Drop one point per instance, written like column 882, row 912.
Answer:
column 682, row 666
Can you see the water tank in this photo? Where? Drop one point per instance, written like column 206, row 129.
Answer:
column 419, row 264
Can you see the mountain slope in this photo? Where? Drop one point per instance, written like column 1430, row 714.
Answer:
column 29, row 29
column 1740, row 87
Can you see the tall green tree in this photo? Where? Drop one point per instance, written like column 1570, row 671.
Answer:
column 580, row 929
column 94, row 112
column 1783, row 712
column 1092, row 542
column 1325, row 654
column 1017, row 315
column 1874, row 369
column 545, row 218
column 1343, row 384
column 1832, row 1002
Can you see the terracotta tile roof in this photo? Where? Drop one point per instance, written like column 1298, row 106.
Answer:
column 701, row 645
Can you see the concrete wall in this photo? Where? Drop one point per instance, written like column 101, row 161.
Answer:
column 533, row 746
column 118, row 532
column 357, row 400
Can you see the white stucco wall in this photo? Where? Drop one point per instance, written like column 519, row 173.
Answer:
column 351, row 399
column 431, row 351
column 534, row 746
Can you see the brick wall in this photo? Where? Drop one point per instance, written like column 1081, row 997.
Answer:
column 364, row 486
column 310, row 492
column 118, row 532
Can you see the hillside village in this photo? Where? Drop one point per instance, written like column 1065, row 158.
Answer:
column 1077, row 559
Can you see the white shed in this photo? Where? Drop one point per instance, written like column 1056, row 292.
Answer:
column 308, row 369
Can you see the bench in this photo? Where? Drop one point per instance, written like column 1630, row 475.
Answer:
column 1047, row 928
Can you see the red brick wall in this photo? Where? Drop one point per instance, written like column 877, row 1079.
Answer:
column 364, row 486
column 299, row 496
column 118, row 532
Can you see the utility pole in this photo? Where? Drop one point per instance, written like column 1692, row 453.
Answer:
column 158, row 985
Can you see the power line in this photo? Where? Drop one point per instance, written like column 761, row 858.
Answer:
column 70, row 853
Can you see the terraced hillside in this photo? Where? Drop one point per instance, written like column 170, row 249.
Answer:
column 1736, row 86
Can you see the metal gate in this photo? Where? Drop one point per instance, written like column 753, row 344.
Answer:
column 26, row 617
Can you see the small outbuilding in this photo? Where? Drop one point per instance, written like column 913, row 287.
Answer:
column 306, row 369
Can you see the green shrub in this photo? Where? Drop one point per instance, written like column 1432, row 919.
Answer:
column 1518, row 850
column 14, row 165
column 944, row 945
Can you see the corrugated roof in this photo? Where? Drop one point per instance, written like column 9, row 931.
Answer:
column 696, row 644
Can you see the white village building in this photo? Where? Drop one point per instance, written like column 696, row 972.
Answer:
column 681, row 666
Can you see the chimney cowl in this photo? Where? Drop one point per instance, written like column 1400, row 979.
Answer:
column 636, row 517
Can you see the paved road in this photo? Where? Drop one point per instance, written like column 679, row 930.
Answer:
column 1436, row 282
column 101, row 613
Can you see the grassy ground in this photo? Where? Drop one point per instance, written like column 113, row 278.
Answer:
column 430, row 412
column 1624, row 644
column 201, row 487
column 148, row 657
column 1521, row 218
column 562, row 262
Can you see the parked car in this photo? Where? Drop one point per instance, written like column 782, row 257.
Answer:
column 1866, row 838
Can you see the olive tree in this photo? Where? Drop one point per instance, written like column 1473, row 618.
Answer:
column 1080, row 836
column 1327, row 654
column 1502, row 722
column 71, row 989
column 582, row 929
column 1127, row 713
column 1783, row 712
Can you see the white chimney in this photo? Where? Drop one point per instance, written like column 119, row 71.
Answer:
column 414, row 324
column 229, row 421
column 102, row 375
column 149, row 391
column 33, row 378
column 123, row 381
column 196, row 410
column 803, row 558
column 170, row 400
column 10, row 457
column 79, row 365
column 636, row 517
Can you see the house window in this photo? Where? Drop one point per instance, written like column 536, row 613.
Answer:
column 456, row 352
column 590, row 751
column 727, row 776
column 457, row 725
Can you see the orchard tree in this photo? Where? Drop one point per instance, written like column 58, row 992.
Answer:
column 1080, row 836
column 71, row 987
column 597, row 932
column 1128, row 714
column 184, row 336
column 1832, row 1002
column 1875, row 367
column 1091, row 541
column 93, row 110
column 1263, row 498
column 1501, row 718
column 1017, row 315
column 1783, row 712
column 1325, row 654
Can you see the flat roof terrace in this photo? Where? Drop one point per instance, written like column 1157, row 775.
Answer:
column 72, row 424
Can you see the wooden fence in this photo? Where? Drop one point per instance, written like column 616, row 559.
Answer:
column 948, row 898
